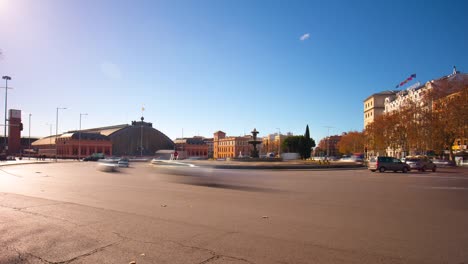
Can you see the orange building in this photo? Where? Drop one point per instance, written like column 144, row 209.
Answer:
column 192, row 147
column 230, row 147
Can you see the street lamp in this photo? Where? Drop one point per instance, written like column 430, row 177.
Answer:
column 328, row 140
column 79, row 137
column 56, row 130
column 279, row 143
column 6, row 78
column 30, row 135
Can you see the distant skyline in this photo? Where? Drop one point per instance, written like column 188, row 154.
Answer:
column 202, row 66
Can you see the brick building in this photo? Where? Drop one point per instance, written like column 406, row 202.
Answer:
column 14, row 131
column 194, row 147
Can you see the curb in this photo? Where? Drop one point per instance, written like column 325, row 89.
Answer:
column 282, row 167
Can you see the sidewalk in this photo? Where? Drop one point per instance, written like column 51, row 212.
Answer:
column 29, row 161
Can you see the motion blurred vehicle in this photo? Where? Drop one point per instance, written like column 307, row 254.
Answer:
column 107, row 167
column 123, row 162
column 420, row 163
column 94, row 157
column 443, row 163
column 383, row 164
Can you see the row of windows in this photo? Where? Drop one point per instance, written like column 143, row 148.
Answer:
column 197, row 153
column 370, row 104
column 231, row 143
column 84, row 151
column 231, row 150
column 368, row 114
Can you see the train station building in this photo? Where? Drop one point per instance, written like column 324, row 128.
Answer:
column 137, row 139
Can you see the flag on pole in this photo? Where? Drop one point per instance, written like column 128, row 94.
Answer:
column 407, row 80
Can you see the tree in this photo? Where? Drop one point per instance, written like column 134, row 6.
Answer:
column 308, row 144
column 433, row 122
column 299, row 144
column 352, row 142
column 448, row 116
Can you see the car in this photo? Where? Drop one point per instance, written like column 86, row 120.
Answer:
column 107, row 167
column 383, row 163
column 420, row 163
column 91, row 158
column 443, row 163
column 123, row 162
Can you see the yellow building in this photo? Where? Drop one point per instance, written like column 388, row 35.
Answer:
column 230, row 147
column 374, row 105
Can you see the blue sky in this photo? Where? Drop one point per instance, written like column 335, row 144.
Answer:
column 203, row 66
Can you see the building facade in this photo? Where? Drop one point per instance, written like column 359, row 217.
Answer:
column 195, row 147
column 210, row 144
column 374, row 105
column 231, row 147
column 137, row 139
column 14, row 131
column 271, row 142
column 397, row 100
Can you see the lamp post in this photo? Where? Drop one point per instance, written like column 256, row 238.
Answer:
column 328, row 140
column 79, row 137
column 30, row 135
column 6, row 78
column 279, row 143
column 56, row 130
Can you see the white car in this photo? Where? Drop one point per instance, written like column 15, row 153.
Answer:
column 123, row 163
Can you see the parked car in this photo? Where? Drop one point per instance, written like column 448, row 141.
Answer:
column 383, row 163
column 420, row 163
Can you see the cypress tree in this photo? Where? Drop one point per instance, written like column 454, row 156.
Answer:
column 307, row 143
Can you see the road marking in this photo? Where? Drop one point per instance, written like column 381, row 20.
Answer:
column 447, row 188
column 439, row 187
column 439, row 177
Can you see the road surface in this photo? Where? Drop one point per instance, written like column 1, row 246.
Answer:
column 74, row 213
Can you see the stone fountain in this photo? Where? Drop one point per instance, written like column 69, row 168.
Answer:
column 254, row 142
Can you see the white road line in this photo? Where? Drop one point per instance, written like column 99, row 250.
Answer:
column 439, row 177
column 446, row 188
column 439, row 187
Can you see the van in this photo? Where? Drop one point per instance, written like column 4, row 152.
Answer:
column 383, row 163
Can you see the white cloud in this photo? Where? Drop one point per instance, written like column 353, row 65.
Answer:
column 304, row 37
column 111, row 70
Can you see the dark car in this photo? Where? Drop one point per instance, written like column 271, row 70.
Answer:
column 91, row 158
column 383, row 163
column 420, row 163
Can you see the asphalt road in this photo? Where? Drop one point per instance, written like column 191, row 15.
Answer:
column 73, row 213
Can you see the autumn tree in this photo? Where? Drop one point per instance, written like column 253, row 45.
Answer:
column 448, row 116
column 352, row 142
